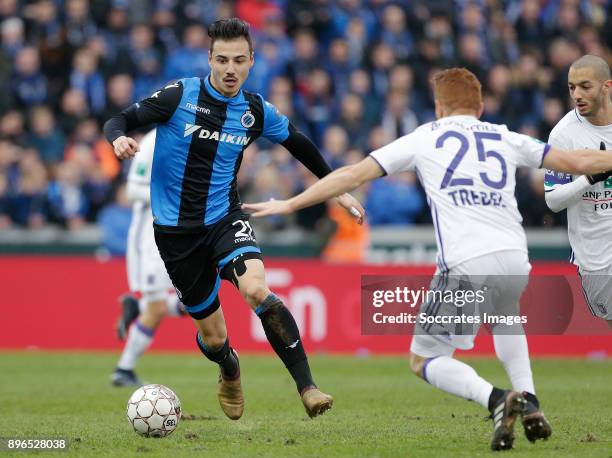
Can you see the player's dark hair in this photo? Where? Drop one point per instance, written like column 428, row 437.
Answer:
column 599, row 66
column 230, row 29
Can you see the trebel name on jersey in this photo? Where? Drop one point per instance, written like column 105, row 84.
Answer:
column 462, row 197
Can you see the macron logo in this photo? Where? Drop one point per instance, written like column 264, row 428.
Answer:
column 224, row 137
column 203, row 110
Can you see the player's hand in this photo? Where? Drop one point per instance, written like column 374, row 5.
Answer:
column 600, row 176
column 353, row 206
column 271, row 207
column 125, row 147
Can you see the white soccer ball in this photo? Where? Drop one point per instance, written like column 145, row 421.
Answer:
column 154, row 411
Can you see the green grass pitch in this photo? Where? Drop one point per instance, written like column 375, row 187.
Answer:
column 380, row 408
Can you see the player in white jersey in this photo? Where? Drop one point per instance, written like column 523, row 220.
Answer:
column 588, row 199
column 467, row 168
column 147, row 275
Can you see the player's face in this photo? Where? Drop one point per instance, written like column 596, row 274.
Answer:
column 230, row 62
column 587, row 92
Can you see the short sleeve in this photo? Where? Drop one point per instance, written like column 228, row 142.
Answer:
column 399, row 155
column 553, row 179
column 530, row 151
column 276, row 124
column 558, row 139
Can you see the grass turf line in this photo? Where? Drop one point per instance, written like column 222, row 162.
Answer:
column 380, row 409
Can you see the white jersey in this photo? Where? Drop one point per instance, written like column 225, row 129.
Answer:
column 467, row 168
column 139, row 175
column 146, row 271
column 589, row 220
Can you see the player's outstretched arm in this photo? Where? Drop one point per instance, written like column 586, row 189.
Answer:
column 305, row 151
column 592, row 162
column 337, row 183
column 564, row 195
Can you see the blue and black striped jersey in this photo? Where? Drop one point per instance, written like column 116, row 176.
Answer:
column 201, row 137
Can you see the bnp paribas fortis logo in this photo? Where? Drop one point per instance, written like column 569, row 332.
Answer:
column 608, row 183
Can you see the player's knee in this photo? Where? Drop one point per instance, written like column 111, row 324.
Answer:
column 416, row 364
column 153, row 313
column 214, row 342
column 160, row 310
column 157, row 308
column 256, row 292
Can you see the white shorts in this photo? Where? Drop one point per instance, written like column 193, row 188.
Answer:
column 597, row 289
column 505, row 273
column 145, row 268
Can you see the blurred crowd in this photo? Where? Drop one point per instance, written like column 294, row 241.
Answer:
column 351, row 74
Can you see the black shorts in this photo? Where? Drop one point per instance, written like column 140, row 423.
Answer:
column 196, row 261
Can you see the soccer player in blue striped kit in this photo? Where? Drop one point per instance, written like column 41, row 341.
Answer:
column 204, row 125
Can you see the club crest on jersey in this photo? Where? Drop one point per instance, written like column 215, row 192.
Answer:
column 247, row 120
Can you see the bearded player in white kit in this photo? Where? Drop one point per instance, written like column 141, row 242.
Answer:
column 147, row 276
column 467, row 168
column 587, row 198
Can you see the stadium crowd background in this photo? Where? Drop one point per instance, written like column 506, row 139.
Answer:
column 352, row 74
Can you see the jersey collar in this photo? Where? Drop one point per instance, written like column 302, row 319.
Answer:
column 588, row 123
column 462, row 116
column 217, row 95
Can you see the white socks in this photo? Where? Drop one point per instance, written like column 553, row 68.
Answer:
column 457, row 378
column 513, row 353
column 139, row 338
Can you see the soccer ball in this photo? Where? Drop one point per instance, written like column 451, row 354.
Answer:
column 154, row 411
